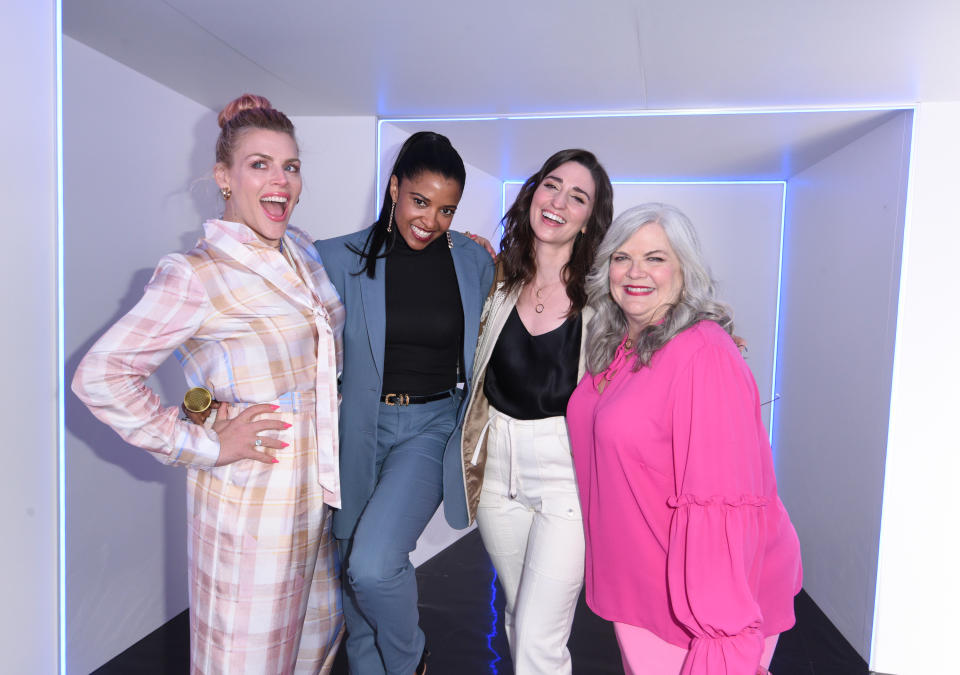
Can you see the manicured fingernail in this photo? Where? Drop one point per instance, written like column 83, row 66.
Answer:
column 276, row 461
column 284, row 445
column 287, row 425
column 275, row 407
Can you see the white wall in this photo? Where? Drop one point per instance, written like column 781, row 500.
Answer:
column 28, row 399
column 339, row 163
column 838, row 319
column 137, row 157
column 917, row 589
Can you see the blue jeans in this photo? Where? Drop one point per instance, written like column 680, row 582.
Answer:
column 380, row 598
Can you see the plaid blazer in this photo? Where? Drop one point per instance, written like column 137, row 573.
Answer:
column 244, row 324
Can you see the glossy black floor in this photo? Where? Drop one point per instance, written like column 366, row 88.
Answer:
column 461, row 611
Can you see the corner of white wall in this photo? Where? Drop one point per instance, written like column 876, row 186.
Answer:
column 917, row 594
column 841, row 269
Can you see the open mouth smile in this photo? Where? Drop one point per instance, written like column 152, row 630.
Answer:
column 275, row 206
column 420, row 233
column 553, row 217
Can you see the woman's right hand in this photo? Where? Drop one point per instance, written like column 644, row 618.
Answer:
column 238, row 436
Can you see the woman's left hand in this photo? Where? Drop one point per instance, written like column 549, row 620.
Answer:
column 483, row 241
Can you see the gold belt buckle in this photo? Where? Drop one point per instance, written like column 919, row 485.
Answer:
column 397, row 399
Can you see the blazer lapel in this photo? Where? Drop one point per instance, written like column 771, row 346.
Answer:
column 501, row 307
column 585, row 316
column 373, row 294
column 470, row 304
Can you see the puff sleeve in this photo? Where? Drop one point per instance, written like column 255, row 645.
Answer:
column 724, row 484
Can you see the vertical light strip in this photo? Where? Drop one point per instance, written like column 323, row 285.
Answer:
column 776, row 323
column 493, row 623
column 61, row 414
column 376, row 192
column 894, row 379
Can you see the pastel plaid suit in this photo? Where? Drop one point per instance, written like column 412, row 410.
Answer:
column 264, row 572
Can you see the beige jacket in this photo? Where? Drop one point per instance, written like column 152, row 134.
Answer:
column 473, row 444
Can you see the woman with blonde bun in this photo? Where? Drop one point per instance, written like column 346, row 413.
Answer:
column 253, row 318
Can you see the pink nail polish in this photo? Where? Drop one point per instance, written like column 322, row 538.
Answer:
column 284, row 445
column 288, row 425
column 276, row 461
column 275, row 407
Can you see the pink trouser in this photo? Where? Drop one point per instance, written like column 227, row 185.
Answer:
column 644, row 653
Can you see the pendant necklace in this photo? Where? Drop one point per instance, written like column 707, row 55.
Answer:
column 539, row 293
column 539, row 307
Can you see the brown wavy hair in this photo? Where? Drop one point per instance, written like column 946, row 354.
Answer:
column 516, row 248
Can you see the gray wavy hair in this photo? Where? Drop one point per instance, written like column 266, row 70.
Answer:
column 697, row 301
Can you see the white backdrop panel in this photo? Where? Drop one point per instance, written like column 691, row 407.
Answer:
column 841, row 264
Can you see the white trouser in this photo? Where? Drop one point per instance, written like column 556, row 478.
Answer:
column 529, row 519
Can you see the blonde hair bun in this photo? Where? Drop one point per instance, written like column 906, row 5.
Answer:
column 241, row 103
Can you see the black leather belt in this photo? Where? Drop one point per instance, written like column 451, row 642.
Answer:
column 413, row 399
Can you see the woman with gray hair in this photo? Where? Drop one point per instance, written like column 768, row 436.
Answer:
column 689, row 550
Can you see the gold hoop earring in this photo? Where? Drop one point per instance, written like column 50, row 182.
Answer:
column 226, row 193
column 393, row 207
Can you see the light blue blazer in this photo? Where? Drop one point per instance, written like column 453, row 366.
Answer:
column 364, row 338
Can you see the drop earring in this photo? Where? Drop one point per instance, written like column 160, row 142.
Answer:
column 226, row 193
column 393, row 207
column 449, row 239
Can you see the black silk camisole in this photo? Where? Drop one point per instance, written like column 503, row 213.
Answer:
column 531, row 377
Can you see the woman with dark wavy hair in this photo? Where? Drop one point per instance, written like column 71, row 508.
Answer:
column 519, row 473
column 689, row 550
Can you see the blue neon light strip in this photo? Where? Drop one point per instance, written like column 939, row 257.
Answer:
column 61, row 378
column 687, row 112
column 776, row 321
column 694, row 112
column 493, row 622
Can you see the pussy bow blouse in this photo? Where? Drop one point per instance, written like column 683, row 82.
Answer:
column 685, row 533
column 244, row 324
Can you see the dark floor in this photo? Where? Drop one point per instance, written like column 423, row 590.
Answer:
column 461, row 612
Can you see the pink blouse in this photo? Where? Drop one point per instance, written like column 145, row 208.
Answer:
column 685, row 533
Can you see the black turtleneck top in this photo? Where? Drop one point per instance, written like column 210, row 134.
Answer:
column 424, row 335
